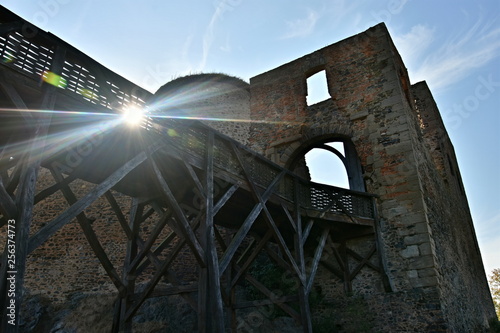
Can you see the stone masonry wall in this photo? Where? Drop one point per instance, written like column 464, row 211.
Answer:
column 459, row 265
column 372, row 105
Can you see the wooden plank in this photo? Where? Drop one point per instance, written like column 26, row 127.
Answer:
column 43, row 234
column 278, row 259
column 5, row 28
column 183, row 224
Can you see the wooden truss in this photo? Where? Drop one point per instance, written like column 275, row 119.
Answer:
column 216, row 198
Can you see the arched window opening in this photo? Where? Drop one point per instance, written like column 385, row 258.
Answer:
column 317, row 88
column 334, row 163
column 327, row 168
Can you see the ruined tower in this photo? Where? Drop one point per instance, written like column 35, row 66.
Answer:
column 427, row 242
column 189, row 223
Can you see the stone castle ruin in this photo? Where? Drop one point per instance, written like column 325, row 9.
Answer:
column 204, row 219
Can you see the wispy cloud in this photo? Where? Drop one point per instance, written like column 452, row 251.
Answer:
column 302, row 27
column 454, row 59
column 222, row 6
column 208, row 37
column 412, row 44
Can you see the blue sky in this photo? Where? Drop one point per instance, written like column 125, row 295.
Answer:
column 453, row 45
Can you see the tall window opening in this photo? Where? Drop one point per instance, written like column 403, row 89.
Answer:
column 326, row 166
column 317, row 88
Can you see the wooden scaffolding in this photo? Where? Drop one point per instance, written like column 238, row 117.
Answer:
column 211, row 191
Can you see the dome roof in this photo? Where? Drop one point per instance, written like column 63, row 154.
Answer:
column 183, row 82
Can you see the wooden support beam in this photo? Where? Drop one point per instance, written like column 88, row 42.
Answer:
column 272, row 297
column 307, row 230
column 183, row 224
column 362, row 261
column 346, row 270
column 380, row 249
column 222, row 201
column 15, row 177
column 24, row 202
column 129, row 276
column 282, row 245
column 154, row 281
column 332, row 269
column 119, row 214
column 7, row 205
column 290, row 218
column 316, row 259
column 196, row 181
column 210, row 298
column 54, row 188
column 299, row 241
column 17, row 100
column 43, row 234
column 247, row 224
column 90, row 235
column 260, row 245
column 150, row 241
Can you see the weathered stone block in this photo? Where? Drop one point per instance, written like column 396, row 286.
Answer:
column 410, row 252
column 416, row 239
column 422, row 262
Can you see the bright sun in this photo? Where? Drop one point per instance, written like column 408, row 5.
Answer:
column 133, row 116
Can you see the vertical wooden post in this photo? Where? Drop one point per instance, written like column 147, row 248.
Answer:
column 129, row 275
column 210, row 298
column 305, row 311
column 347, row 274
column 25, row 198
